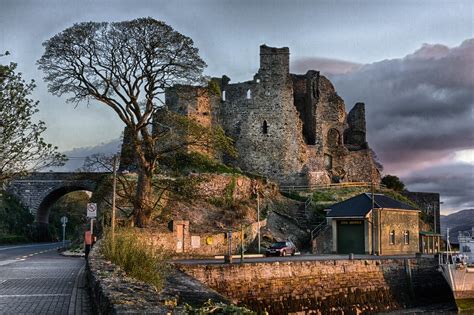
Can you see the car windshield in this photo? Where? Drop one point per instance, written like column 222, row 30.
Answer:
column 279, row 244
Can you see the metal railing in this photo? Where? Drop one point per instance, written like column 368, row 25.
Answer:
column 297, row 188
column 320, row 227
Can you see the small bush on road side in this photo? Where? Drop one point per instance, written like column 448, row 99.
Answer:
column 137, row 258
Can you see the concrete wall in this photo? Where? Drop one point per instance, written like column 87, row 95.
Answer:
column 326, row 287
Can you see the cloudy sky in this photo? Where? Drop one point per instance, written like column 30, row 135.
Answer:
column 411, row 62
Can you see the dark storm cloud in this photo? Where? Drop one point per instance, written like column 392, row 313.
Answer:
column 419, row 108
column 326, row 66
column 419, row 111
column 454, row 181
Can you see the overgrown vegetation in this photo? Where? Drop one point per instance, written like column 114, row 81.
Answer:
column 218, row 308
column 393, row 182
column 136, row 257
column 16, row 222
column 73, row 206
column 324, row 198
column 185, row 163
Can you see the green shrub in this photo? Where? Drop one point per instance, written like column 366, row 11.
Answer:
column 322, row 196
column 195, row 162
column 13, row 239
column 294, row 196
column 138, row 259
column 218, row 308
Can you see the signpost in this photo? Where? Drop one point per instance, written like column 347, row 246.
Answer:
column 64, row 221
column 92, row 213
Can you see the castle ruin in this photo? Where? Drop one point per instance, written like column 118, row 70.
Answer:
column 291, row 128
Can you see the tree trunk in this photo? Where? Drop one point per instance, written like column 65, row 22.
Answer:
column 143, row 198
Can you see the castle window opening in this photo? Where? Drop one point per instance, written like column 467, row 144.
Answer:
column 249, row 94
column 265, row 127
column 406, row 237
column 223, row 95
column 328, row 161
column 392, row 237
column 333, row 138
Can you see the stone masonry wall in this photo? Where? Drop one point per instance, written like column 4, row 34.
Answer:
column 290, row 128
column 399, row 222
column 327, row 286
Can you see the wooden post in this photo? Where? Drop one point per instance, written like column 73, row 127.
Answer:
column 114, row 187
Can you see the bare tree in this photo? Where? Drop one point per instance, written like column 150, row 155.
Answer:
column 126, row 66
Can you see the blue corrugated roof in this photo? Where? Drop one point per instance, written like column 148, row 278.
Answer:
column 360, row 205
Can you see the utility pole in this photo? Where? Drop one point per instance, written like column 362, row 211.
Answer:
column 373, row 209
column 258, row 217
column 114, row 188
column 241, row 243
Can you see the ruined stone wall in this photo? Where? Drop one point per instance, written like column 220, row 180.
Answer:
column 264, row 120
column 326, row 286
column 198, row 104
column 290, row 128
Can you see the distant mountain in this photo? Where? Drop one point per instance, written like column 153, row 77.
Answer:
column 78, row 155
column 456, row 222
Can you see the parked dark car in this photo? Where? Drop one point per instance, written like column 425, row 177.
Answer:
column 281, row 249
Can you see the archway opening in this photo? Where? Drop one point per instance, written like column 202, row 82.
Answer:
column 333, row 138
column 68, row 201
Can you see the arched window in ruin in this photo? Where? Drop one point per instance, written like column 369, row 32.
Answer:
column 223, row 95
column 265, row 127
column 333, row 138
column 249, row 94
column 328, row 161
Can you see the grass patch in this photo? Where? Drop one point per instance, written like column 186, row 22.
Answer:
column 218, row 308
column 465, row 304
column 137, row 258
column 194, row 162
column 294, row 196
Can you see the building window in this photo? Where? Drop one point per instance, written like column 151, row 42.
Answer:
column 249, row 94
column 333, row 138
column 406, row 237
column 392, row 237
column 265, row 127
column 223, row 95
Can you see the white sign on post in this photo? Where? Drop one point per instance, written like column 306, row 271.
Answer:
column 91, row 210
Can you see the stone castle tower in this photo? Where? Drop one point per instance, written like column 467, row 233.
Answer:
column 291, row 128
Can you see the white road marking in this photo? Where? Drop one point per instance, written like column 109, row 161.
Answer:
column 28, row 295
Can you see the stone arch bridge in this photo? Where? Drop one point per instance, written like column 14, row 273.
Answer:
column 39, row 191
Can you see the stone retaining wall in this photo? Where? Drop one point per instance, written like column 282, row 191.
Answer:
column 113, row 292
column 326, row 287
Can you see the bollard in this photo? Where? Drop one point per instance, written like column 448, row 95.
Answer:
column 351, row 256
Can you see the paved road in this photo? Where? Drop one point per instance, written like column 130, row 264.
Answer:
column 35, row 279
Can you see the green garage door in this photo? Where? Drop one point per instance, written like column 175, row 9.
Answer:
column 350, row 237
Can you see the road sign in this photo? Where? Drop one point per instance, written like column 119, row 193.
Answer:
column 64, row 220
column 91, row 210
